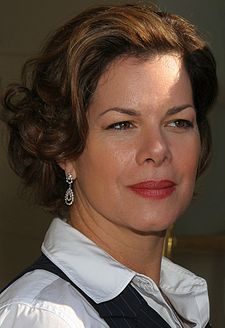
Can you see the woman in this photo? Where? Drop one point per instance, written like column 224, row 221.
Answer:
column 112, row 113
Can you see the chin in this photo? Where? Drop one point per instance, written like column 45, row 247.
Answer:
column 153, row 228
column 151, row 232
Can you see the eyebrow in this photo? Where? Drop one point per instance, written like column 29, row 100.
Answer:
column 133, row 112
column 127, row 111
column 177, row 109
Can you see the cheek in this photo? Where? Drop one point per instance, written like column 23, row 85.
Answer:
column 189, row 157
column 103, row 163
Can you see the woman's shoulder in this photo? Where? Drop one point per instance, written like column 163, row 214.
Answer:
column 41, row 297
column 28, row 286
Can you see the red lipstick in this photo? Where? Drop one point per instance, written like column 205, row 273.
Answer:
column 154, row 189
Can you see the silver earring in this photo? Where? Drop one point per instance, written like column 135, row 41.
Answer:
column 69, row 195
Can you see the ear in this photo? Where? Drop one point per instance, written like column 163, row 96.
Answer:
column 68, row 167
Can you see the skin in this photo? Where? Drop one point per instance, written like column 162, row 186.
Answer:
column 158, row 140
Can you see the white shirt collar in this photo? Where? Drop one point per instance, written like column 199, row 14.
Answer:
column 86, row 264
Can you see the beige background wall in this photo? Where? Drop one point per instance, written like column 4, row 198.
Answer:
column 23, row 26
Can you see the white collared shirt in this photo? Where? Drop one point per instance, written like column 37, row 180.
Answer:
column 42, row 299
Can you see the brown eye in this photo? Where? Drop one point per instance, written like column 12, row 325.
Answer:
column 184, row 124
column 124, row 125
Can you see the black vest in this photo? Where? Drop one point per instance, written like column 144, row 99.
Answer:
column 127, row 310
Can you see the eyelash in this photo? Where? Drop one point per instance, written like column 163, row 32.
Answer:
column 126, row 125
column 123, row 125
column 181, row 123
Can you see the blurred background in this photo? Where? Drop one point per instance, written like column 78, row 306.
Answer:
column 199, row 236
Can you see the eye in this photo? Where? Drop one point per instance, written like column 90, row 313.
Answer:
column 183, row 124
column 124, row 125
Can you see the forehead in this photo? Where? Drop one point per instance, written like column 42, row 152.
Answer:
column 134, row 81
column 170, row 63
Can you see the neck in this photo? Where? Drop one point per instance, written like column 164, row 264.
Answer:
column 139, row 251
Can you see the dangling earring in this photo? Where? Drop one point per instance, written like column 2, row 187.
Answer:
column 69, row 195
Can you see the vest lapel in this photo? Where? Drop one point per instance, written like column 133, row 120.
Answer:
column 129, row 309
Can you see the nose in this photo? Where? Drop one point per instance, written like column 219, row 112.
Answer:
column 153, row 147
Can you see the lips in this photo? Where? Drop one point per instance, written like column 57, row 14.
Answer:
column 154, row 189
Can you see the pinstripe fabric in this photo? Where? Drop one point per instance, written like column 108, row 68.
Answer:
column 127, row 310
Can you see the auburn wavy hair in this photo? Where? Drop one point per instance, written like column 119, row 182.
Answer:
column 46, row 113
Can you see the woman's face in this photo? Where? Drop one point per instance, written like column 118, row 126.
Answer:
column 138, row 168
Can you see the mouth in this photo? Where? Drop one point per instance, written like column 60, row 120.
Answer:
column 153, row 189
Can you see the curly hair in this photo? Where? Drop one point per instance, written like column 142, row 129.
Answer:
column 46, row 113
